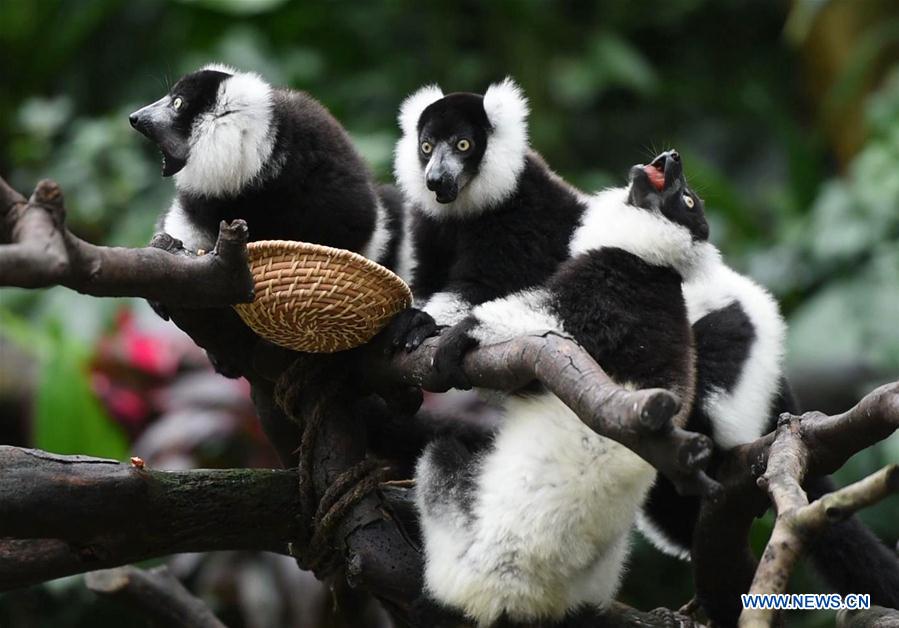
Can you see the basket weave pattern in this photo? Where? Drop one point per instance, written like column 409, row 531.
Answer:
column 317, row 298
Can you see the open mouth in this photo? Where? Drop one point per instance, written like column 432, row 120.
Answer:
column 663, row 171
column 656, row 175
column 171, row 165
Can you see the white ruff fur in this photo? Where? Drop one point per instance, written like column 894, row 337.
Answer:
column 446, row 308
column 742, row 414
column 611, row 222
column 405, row 264
column 518, row 314
column 178, row 225
column 549, row 528
column 231, row 144
column 380, row 237
column 507, row 144
column 659, row 539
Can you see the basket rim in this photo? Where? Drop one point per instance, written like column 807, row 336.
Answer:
column 272, row 247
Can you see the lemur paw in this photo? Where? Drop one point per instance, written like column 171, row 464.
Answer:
column 455, row 343
column 408, row 330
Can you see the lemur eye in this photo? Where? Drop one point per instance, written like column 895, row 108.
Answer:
column 688, row 200
column 426, row 148
column 177, row 103
column 463, row 145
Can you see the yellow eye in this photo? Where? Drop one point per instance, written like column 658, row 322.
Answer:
column 463, row 145
column 426, row 148
column 688, row 200
column 176, row 104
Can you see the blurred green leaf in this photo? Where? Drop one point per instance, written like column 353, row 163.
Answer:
column 68, row 418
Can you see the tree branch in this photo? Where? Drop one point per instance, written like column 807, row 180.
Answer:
column 640, row 420
column 808, row 446
column 79, row 513
column 37, row 251
column 156, row 593
column 874, row 617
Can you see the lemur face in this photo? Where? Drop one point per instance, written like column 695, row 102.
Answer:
column 169, row 121
column 452, row 138
column 661, row 186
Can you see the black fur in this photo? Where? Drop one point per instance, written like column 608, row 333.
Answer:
column 315, row 186
column 454, row 344
column 851, row 557
column 323, row 193
column 629, row 315
column 442, row 125
column 848, row 555
column 675, row 201
column 513, row 246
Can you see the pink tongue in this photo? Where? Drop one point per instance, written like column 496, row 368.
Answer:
column 656, row 177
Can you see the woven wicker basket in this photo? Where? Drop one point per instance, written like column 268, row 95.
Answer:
column 319, row 299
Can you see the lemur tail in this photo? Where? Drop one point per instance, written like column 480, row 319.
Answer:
column 851, row 558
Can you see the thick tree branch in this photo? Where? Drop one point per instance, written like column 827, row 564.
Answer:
column 639, row 420
column 37, row 251
column 156, row 593
column 80, row 513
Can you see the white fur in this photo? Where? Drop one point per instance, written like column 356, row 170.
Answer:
column 507, row 145
column 380, row 237
column 555, row 503
column 518, row 314
column 611, row 222
column 412, row 108
column 179, row 225
column 446, row 308
column 405, row 263
column 231, row 145
column 742, row 414
column 220, row 67
column 659, row 539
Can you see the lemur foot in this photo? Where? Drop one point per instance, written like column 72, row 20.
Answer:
column 455, row 343
column 408, row 330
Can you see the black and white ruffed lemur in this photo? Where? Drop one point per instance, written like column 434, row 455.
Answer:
column 535, row 524
column 240, row 148
column 487, row 216
column 276, row 158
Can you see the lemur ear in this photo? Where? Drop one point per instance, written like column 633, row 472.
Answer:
column 506, row 107
column 414, row 105
column 220, row 67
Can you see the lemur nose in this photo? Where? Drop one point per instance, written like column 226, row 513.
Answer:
column 134, row 119
column 674, row 155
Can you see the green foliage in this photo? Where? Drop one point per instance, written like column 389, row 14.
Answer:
column 67, row 416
